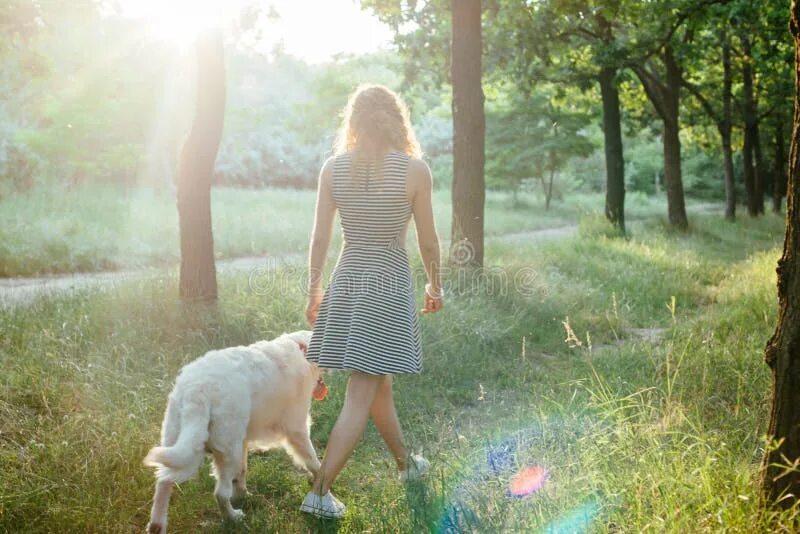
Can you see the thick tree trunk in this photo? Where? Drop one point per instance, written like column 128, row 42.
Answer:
column 615, row 163
column 672, row 143
column 779, row 188
column 751, row 179
column 782, row 354
column 196, row 167
column 468, row 134
column 725, row 127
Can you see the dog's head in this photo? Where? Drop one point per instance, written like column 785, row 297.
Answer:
column 301, row 337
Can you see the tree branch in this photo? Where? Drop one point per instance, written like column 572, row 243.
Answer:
column 704, row 103
column 679, row 20
column 653, row 89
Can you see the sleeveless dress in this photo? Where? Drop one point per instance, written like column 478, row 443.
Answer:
column 367, row 319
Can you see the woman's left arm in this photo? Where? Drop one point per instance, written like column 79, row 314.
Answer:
column 324, row 216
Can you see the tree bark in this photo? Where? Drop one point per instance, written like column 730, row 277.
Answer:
column 198, row 278
column 615, row 163
column 782, row 354
column 751, row 178
column 779, row 187
column 468, row 134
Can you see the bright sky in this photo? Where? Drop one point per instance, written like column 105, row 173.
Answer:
column 313, row 30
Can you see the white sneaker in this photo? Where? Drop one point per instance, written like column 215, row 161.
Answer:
column 326, row 506
column 417, row 468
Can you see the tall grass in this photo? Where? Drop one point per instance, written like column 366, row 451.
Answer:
column 633, row 435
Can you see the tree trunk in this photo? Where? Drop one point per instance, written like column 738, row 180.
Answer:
column 548, row 194
column 676, row 206
column 730, row 184
column 750, row 129
column 725, row 127
column 468, row 134
column 762, row 176
column 615, row 163
column 782, row 354
column 196, row 167
column 779, row 188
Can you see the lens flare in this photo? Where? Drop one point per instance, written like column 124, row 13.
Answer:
column 575, row 522
column 527, row 481
column 506, row 462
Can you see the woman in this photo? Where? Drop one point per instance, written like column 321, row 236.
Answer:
column 366, row 320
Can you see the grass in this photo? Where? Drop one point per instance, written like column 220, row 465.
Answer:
column 635, row 436
column 61, row 230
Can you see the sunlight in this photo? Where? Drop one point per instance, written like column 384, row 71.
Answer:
column 336, row 27
column 179, row 21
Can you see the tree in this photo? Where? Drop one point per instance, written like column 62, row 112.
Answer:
column 663, row 91
column 666, row 32
column 198, row 273
column 577, row 44
column 708, row 89
column 468, row 133
column 753, row 161
column 782, row 354
column 534, row 136
column 773, row 56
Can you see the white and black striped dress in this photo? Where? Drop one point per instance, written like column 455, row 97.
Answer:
column 367, row 320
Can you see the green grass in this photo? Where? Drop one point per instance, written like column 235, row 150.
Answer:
column 635, row 436
column 59, row 230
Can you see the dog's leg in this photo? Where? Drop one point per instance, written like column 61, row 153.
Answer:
column 226, row 466
column 240, row 482
column 303, row 451
column 158, row 515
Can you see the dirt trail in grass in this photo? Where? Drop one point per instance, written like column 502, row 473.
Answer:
column 24, row 290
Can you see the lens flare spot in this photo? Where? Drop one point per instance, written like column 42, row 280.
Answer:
column 527, row 481
column 575, row 522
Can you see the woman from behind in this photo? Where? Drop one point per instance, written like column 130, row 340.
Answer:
column 366, row 321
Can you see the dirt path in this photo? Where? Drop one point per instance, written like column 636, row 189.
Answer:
column 23, row 290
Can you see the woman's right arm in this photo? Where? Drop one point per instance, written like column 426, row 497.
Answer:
column 324, row 216
column 427, row 239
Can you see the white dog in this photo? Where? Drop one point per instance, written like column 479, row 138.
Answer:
column 227, row 402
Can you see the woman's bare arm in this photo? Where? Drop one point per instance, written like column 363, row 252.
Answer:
column 324, row 216
column 421, row 183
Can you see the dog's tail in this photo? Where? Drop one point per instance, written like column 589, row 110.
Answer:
column 184, row 434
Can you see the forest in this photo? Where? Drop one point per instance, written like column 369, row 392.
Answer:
column 615, row 186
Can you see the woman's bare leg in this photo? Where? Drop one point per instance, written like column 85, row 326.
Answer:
column 384, row 416
column 349, row 427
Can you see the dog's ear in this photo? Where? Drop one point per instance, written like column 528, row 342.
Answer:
column 303, row 346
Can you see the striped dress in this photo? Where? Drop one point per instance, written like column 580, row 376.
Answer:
column 367, row 320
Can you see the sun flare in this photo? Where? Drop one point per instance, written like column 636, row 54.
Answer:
column 179, row 21
column 288, row 26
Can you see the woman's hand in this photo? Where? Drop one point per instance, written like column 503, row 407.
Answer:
column 312, row 308
column 434, row 299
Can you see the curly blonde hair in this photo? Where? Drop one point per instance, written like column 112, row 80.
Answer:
column 375, row 121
